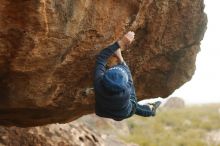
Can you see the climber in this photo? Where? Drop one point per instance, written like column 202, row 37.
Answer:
column 114, row 90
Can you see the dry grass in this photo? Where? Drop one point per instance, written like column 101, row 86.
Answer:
column 188, row 126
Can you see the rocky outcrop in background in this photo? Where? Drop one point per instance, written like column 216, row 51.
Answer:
column 48, row 49
column 174, row 102
column 73, row 134
column 89, row 130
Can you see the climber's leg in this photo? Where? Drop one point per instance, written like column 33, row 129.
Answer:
column 141, row 110
column 144, row 110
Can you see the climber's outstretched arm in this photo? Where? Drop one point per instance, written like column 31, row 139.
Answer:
column 123, row 43
column 110, row 50
column 102, row 59
column 118, row 55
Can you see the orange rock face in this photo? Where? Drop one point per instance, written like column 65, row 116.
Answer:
column 48, row 50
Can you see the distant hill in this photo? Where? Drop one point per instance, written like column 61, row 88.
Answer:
column 174, row 102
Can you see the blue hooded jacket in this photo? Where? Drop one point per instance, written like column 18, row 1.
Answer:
column 115, row 105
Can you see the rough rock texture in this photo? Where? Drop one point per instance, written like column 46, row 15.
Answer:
column 87, row 131
column 107, row 127
column 52, row 135
column 111, row 131
column 48, row 49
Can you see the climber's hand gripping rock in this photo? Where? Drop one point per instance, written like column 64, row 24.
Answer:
column 123, row 43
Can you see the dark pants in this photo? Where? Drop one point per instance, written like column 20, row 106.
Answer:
column 141, row 110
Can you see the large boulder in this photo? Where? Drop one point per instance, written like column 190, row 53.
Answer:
column 87, row 131
column 73, row 134
column 48, row 50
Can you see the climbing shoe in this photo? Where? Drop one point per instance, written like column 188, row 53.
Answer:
column 155, row 106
